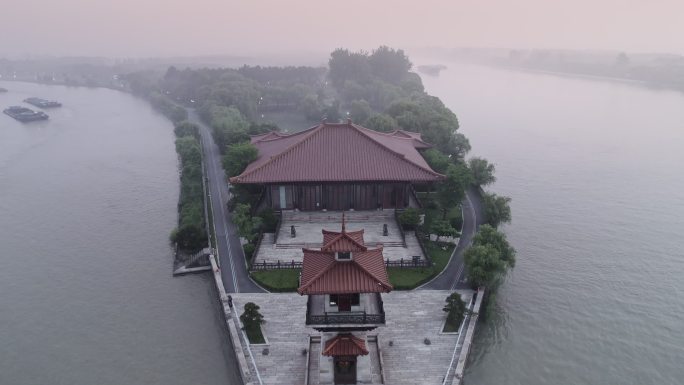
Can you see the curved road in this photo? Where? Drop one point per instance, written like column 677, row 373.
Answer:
column 454, row 275
column 230, row 254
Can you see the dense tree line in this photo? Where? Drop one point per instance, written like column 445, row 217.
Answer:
column 191, row 235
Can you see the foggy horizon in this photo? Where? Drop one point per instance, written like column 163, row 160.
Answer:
column 173, row 28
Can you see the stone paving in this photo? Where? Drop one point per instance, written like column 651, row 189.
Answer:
column 308, row 226
column 412, row 316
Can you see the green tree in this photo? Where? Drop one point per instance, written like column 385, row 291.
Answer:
column 482, row 170
column 238, row 157
column 409, row 218
column 229, row 125
column 451, row 191
column 360, row 111
column 262, row 128
column 251, row 317
column 455, row 309
column 310, row 107
column 485, row 266
column 247, row 225
column 381, row 122
column 442, row 228
column 389, row 64
column 345, row 65
column 488, row 235
column 189, row 150
column 437, row 160
column 186, row 128
column 458, row 146
column 497, row 209
column 332, row 112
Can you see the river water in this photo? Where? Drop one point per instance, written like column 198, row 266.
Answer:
column 595, row 172
column 87, row 201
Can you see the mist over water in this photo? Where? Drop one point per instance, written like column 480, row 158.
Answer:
column 87, row 201
column 594, row 170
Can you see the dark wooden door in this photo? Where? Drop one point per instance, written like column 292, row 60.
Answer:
column 344, row 303
column 345, row 370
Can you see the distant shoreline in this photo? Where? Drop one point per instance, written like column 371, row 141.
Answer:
column 580, row 75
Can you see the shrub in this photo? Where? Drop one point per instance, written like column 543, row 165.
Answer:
column 251, row 316
column 442, row 229
column 269, row 220
column 455, row 309
column 456, row 222
column 409, row 218
column 249, row 250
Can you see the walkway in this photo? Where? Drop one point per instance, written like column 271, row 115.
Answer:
column 233, row 266
column 454, row 275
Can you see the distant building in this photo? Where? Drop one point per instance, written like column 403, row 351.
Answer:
column 338, row 166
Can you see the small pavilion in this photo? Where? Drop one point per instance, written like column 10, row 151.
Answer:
column 344, row 281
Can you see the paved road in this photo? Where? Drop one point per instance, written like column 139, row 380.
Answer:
column 231, row 257
column 454, row 275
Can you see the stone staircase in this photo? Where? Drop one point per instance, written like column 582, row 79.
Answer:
column 284, row 246
column 313, row 366
column 374, row 352
column 336, row 216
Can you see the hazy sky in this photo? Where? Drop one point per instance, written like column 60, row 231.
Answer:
column 191, row 27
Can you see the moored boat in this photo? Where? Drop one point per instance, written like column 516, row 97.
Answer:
column 431, row 69
column 42, row 103
column 24, row 114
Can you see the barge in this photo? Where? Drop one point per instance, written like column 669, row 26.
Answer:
column 24, row 114
column 42, row 103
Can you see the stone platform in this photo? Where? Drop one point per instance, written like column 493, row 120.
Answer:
column 308, row 227
column 400, row 353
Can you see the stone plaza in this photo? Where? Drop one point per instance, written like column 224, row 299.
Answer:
column 409, row 349
column 308, row 226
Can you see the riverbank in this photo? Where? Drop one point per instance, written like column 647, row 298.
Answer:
column 578, row 75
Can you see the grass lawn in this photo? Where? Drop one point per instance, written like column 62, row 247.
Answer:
column 287, row 280
column 409, row 278
column 254, row 335
column 452, row 325
column 281, row 280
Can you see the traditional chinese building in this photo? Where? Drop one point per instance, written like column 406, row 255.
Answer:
column 338, row 166
column 344, row 281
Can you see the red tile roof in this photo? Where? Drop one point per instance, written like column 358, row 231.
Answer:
column 345, row 345
column 338, row 152
column 322, row 273
column 364, row 273
column 344, row 241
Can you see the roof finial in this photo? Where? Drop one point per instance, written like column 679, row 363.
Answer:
column 343, row 227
